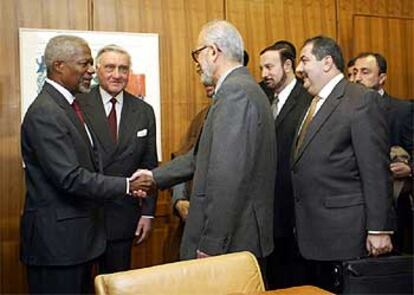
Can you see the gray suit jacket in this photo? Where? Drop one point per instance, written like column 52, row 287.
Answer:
column 122, row 159
column 62, row 222
column 234, row 166
column 340, row 176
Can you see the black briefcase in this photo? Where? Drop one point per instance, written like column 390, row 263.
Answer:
column 378, row 275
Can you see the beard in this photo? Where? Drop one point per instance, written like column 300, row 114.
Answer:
column 84, row 86
column 276, row 86
column 207, row 75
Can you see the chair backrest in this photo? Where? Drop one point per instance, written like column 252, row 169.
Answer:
column 224, row 274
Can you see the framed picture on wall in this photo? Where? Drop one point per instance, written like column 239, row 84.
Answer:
column 144, row 80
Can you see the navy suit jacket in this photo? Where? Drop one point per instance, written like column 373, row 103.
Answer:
column 136, row 148
column 400, row 118
column 62, row 222
column 286, row 124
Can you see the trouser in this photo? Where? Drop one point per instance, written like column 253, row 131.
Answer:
column 117, row 257
column 73, row 279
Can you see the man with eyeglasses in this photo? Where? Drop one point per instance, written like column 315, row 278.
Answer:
column 233, row 162
column 125, row 129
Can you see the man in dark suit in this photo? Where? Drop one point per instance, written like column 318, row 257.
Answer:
column 131, row 145
column 340, row 172
column 62, row 228
column 371, row 71
column 288, row 102
column 233, row 162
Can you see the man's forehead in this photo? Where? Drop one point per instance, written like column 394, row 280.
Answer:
column 367, row 61
column 306, row 50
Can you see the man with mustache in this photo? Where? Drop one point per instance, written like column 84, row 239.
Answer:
column 233, row 162
column 289, row 101
column 340, row 174
column 62, row 228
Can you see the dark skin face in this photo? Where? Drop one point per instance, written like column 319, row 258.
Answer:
column 75, row 74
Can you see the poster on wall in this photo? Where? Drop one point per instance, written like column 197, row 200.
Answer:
column 144, row 80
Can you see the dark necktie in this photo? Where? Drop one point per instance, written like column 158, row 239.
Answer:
column 306, row 123
column 112, row 120
column 76, row 108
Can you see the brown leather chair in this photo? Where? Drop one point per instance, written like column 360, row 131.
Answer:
column 225, row 274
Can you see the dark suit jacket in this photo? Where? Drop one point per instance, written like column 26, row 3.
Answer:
column 400, row 118
column 286, row 123
column 341, row 179
column 133, row 151
column 62, row 219
column 234, row 172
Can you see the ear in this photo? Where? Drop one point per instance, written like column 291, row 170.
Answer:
column 382, row 78
column 58, row 66
column 327, row 63
column 287, row 66
column 215, row 52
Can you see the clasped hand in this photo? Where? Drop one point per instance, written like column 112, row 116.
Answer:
column 141, row 183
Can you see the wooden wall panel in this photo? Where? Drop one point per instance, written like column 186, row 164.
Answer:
column 348, row 8
column 62, row 14
column 262, row 22
column 381, row 31
column 182, row 96
column 177, row 22
column 394, row 38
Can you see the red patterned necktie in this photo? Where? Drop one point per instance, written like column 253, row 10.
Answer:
column 76, row 108
column 112, row 120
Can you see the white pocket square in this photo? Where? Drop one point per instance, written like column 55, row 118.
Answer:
column 142, row 133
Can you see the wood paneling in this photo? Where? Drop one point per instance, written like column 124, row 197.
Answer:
column 262, row 22
column 177, row 22
column 387, row 28
column 348, row 8
column 393, row 38
column 61, row 14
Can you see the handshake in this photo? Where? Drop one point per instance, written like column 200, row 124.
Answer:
column 142, row 183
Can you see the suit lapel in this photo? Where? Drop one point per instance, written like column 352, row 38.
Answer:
column 328, row 107
column 96, row 117
column 125, row 127
column 63, row 103
column 288, row 106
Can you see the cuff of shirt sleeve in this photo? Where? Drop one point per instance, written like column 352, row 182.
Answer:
column 147, row 216
column 379, row 232
column 127, row 186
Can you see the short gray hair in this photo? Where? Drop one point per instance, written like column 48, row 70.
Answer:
column 62, row 48
column 226, row 37
column 112, row 48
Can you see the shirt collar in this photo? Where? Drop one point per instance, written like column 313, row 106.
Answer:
column 221, row 79
column 62, row 90
column 381, row 92
column 106, row 97
column 328, row 88
column 284, row 94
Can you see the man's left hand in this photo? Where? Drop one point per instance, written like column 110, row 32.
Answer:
column 378, row 244
column 143, row 229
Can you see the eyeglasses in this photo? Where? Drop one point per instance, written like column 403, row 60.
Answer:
column 196, row 52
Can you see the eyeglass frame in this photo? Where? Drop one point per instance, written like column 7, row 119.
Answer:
column 196, row 52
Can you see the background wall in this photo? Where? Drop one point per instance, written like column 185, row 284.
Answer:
column 381, row 25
